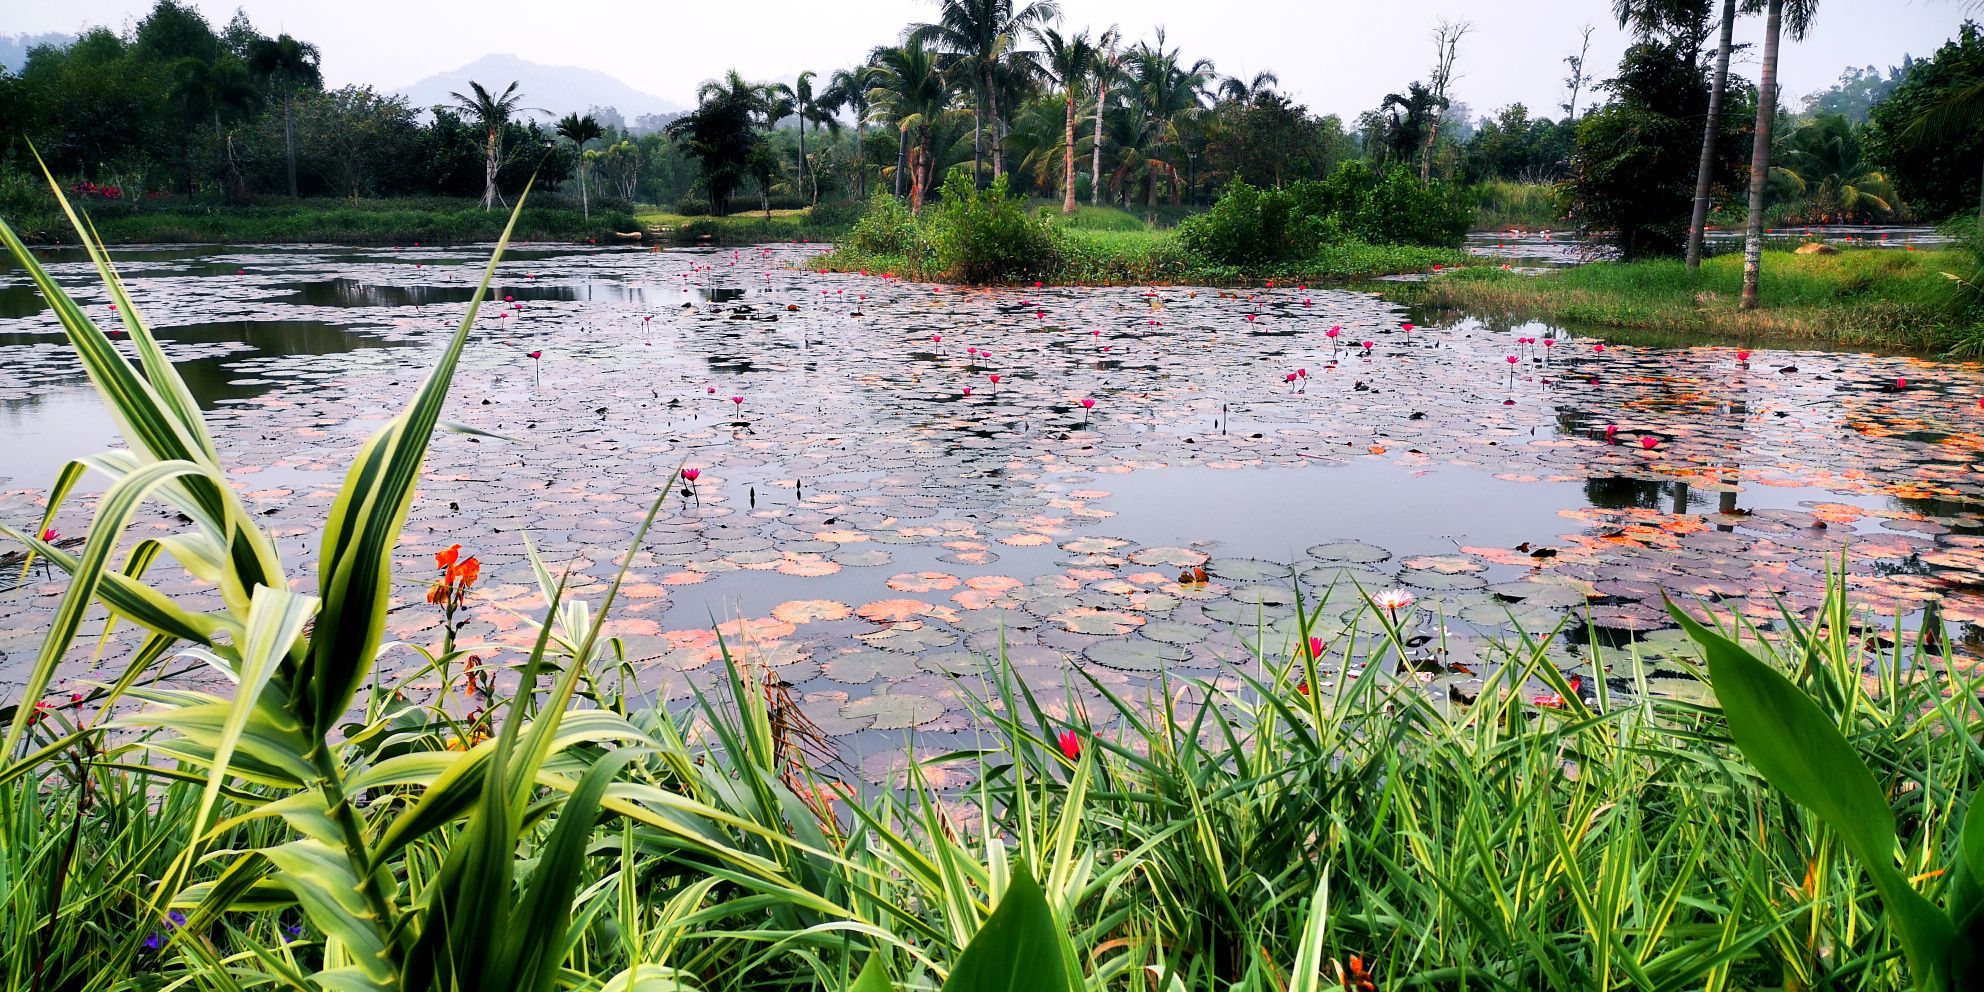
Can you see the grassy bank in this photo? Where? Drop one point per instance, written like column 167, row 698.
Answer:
column 1500, row 206
column 823, row 223
column 1879, row 298
column 395, row 221
column 1154, row 257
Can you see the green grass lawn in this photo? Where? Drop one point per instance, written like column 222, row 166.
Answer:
column 432, row 220
column 1859, row 298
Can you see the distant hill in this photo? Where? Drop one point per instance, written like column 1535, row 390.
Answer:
column 14, row 47
column 558, row 89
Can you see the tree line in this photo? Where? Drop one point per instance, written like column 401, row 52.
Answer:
column 1652, row 154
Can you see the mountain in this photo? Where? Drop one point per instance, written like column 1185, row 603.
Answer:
column 559, row 89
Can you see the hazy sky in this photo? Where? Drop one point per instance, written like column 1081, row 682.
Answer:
column 1337, row 56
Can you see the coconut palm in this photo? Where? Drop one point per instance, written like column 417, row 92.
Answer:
column 1243, row 91
column 847, row 89
column 287, row 63
column 580, row 130
column 1162, row 90
column 1069, row 65
column 491, row 113
column 1108, row 68
column 1704, row 172
column 911, row 92
column 1825, row 163
column 981, row 36
column 1778, row 15
column 725, row 130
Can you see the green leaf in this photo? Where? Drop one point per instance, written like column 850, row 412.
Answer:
column 873, row 978
column 535, row 941
column 1801, row 753
column 355, row 563
column 1021, row 948
column 1307, row 975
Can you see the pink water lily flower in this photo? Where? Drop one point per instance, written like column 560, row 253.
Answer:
column 1393, row 600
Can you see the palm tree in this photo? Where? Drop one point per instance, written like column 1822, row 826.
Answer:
column 1800, row 14
column 981, row 36
column 1069, row 63
column 912, row 92
column 1704, row 172
column 288, row 63
column 724, row 132
column 1243, row 91
column 809, row 106
column 1163, row 91
column 848, row 89
column 491, row 113
column 1108, row 66
column 579, row 130
column 1826, row 163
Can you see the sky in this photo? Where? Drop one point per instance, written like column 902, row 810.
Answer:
column 1335, row 56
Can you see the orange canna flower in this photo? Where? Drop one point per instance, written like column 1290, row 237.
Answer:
column 445, row 559
column 465, row 574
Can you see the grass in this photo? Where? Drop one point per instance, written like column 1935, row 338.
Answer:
column 1144, row 256
column 1113, row 218
column 429, row 220
column 1313, row 818
column 1879, row 298
column 745, row 226
column 1501, row 205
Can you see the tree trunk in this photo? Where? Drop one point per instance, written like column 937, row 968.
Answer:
column 860, row 162
column 1068, row 160
column 1753, row 234
column 585, row 203
column 1698, row 225
column 1426, row 157
column 1095, row 154
column 1980, row 199
column 289, row 142
column 916, row 174
column 998, row 142
column 978, row 136
column 802, row 152
column 902, row 160
column 489, row 172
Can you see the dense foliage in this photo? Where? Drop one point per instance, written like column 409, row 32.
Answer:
column 1637, row 157
column 177, row 109
column 1938, row 167
column 987, row 235
column 1250, row 226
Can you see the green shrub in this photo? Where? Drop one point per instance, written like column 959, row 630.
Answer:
column 1254, row 227
column 886, row 227
column 836, row 213
column 986, row 236
column 1397, row 209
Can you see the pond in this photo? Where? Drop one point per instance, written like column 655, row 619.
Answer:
column 878, row 515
